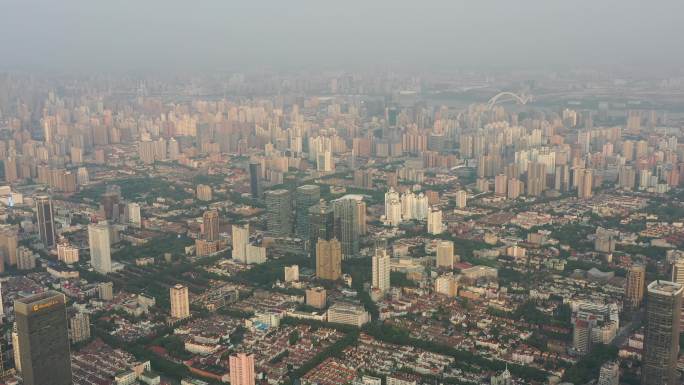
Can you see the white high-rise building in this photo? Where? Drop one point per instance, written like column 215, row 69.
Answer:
column 392, row 208
column 393, row 216
column 240, row 242
column 461, row 199
column 434, row 221
column 180, row 303
column 420, row 209
column 381, row 270
column 408, row 200
column 134, row 217
column 100, row 249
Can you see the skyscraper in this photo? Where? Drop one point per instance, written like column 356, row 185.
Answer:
column 180, row 304
column 279, row 216
column 240, row 237
column 381, row 270
column 350, row 223
column 241, row 369
column 210, row 225
column 100, row 247
column 134, row 218
column 321, row 225
column 255, row 179
column 46, row 222
column 661, row 340
column 445, row 255
column 585, row 184
column 306, row 196
column 434, row 221
column 328, row 259
column 8, row 245
column 634, row 289
column 43, row 339
column 110, row 203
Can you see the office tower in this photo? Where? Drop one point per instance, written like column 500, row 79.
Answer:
column 2, row 304
column 306, row 196
column 434, row 221
column 279, row 216
column 210, row 225
column 180, row 304
column 634, row 289
column 328, row 259
column 8, row 245
column 461, row 199
column 240, row 238
column 80, row 327
column 241, row 369
column 204, row 193
column 46, row 222
column 134, row 217
column 609, row 374
column 292, row 273
column 381, row 270
column 581, row 337
column 43, row 339
column 350, row 223
column 255, row 179
column 321, row 225
column 661, row 340
column 585, row 184
column 445, row 255
column 100, row 247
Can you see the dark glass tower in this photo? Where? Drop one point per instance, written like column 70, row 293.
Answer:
column 321, row 225
column 279, row 218
column 661, row 342
column 306, row 196
column 43, row 338
column 46, row 222
column 255, row 180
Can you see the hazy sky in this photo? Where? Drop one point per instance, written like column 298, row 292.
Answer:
column 128, row 35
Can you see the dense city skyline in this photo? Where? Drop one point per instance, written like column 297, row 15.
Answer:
column 349, row 193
